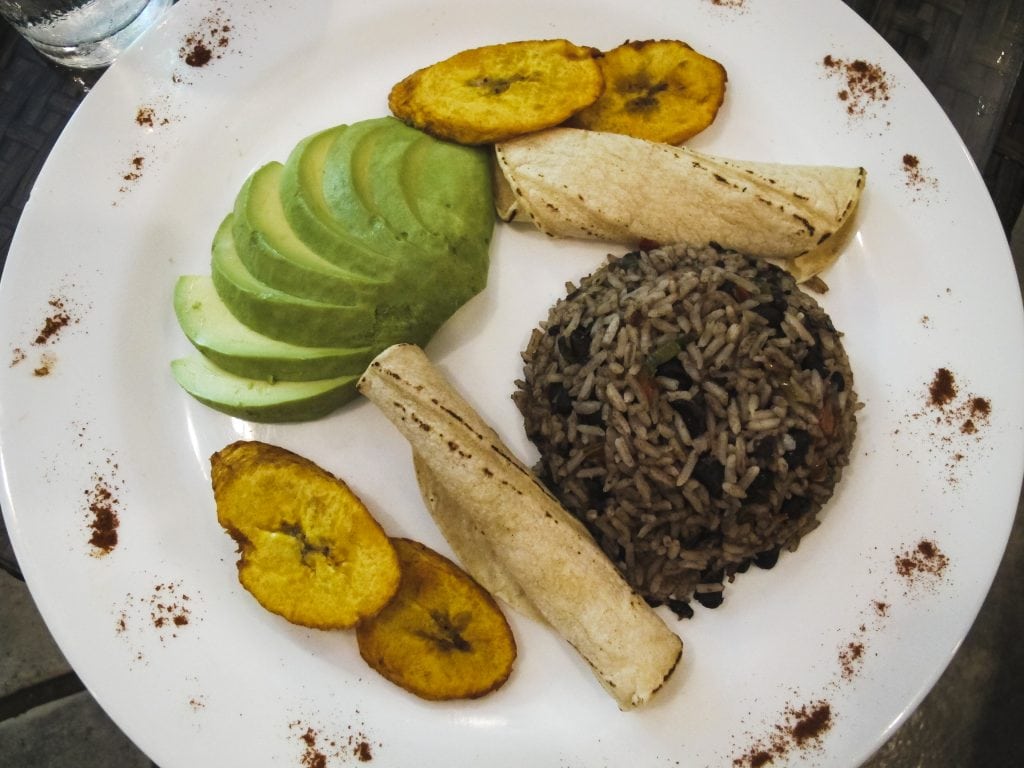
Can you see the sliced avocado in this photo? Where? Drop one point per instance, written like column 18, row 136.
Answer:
column 356, row 157
column 434, row 177
column 341, row 195
column 299, row 291
column 238, row 349
column 376, row 169
column 275, row 255
column 262, row 401
column 447, row 236
column 289, row 318
column 311, row 219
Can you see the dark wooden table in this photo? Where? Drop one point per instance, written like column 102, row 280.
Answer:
column 969, row 54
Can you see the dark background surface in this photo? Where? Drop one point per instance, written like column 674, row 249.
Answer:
column 969, row 54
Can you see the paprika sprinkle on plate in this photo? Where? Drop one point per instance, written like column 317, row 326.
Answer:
column 924, row 560
column 866, row 84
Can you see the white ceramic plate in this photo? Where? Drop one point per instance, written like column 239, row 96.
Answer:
column 129, row 200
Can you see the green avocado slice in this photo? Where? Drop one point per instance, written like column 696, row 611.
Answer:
column 290, row 318
column 434, row 176
column 368, row 167
column 238, row 349
column 274, row 254
column 301, row 296
column 368, row 178
column 301, row 189
column 354, row 165
column 345, row 168
column 262, row 401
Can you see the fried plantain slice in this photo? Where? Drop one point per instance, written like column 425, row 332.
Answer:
column 659, row 90
column 442, row 636
column 495, row 92
column 310, row 550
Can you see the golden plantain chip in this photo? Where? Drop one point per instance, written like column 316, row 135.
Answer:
column 442, row 636
column 493, row 93
column 659, row 90
column 310, row 551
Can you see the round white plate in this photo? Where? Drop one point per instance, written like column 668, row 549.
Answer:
column 197, row 673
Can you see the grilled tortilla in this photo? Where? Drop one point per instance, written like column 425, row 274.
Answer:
column 589, row 184
column 537, row 549
column 469, row 541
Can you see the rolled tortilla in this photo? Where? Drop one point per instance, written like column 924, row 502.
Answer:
column 469, row 541
column 576, row 183
column 555, row 566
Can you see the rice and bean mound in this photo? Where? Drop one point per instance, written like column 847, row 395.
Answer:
column 694, row 408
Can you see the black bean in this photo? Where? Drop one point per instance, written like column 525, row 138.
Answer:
column 710, row 473
column 680, row 608
column 576, row 347
column 761, row 487
column 709, row 599
column 838, row 381
column 795, row 507
column 673, row 369
column 693, row 415
column 798, row 456
column 814, row 360
column 596, row 496
column 770, row 313
column 558, row 396
column 764, row 450
column 767, row 559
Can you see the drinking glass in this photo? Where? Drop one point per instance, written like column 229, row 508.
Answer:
column 82, row 33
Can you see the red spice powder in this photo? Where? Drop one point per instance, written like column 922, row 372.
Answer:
column 958, row 421
column 363, row 752
column 850, row 657
column 924, row 559
column 866, row 83
column 207, row 43
column 916, row 177
column 168, row 607
column 55, row 322
column 810, row 722
column 45, row 367
column 146, row 117
column 943, row 388
column 135, row 167
column 312, row 757
column 199, row 55
column 105, row 518
column 801, row 728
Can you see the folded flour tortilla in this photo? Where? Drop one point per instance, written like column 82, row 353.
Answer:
column 577, row 183
column 513, row 536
